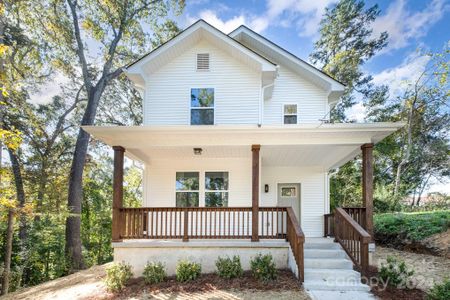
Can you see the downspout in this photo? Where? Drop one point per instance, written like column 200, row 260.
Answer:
column 261, row 103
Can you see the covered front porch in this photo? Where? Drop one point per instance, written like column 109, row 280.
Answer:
column 261, row 158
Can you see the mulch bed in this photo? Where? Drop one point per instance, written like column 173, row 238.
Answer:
column 392, row 293
column 210, row 282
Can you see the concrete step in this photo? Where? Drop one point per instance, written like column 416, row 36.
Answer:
column 328, row 263
column 340, row 295
column 322, row 245
column 332, row 274
column 324, row 253
column 332, row 285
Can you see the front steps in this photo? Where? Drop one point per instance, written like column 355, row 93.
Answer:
column 329, row 272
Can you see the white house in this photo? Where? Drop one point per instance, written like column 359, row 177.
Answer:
column 237, row 148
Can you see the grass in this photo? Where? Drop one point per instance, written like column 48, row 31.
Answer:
column 414, row 226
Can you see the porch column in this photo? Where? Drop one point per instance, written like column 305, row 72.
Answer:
column 367, row 185
column 117, row 192
column 255, row 192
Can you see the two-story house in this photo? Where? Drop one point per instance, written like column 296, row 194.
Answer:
column 236, row 149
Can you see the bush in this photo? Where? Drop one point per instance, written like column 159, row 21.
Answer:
column 187, row 271
column 154, row 272
column 395, row 272
column 440, row 291
column 263, row 267
column 117, row 276
column 229, row 268
column 413, row 226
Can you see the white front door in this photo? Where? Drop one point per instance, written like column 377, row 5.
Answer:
column 289, row 195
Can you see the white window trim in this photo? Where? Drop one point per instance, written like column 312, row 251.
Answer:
column 283, row 114
column 191, row 107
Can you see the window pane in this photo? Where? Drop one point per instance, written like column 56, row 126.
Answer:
column 290, row 119
column 288, row 192
column 216, row 199
column 290, row 109
column 187, row 181
column 187, row 199
column 202, row 116
column 202, row 97
column 216, row 180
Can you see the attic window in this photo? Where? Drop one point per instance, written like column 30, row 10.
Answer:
column 203, row 62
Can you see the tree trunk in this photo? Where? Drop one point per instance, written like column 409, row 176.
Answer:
column 75, row 195
column 8, row 250
column 20, row 192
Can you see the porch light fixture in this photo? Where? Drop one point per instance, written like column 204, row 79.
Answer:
column 266, row 188
column 198, row 151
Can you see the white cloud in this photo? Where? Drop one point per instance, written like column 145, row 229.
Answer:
column 402, row 25
column 50, row 89
column 357, row 112
column 399, row 77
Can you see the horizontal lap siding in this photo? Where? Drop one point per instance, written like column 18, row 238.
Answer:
column 236, row 88
column 312, row 194
column 292, row 88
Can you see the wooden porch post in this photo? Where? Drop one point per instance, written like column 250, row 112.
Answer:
column 367, row 186
column 117, row 192
column 255, row 192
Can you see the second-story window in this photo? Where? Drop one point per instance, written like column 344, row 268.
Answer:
column 290, row 114
column 202, row 106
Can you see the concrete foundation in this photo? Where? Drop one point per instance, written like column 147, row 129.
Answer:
column 138, row 252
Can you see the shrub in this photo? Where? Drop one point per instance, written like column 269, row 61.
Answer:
column 263, row 267
column 229, row 268
column 395, row 272
column 440, row 291
column 117, row 276
column 154, row 272
column 187, row 271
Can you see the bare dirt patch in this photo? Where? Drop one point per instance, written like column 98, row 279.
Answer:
column 428, row 269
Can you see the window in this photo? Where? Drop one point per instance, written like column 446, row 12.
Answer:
column 202, row 106
column 187, row 189
column 288, row 192
column 203, row 62
column 290, row 113
column 216, row 189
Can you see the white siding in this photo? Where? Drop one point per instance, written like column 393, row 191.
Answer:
column 236, row 89
column 312, row 194
column 159, row 187
column 290, row 88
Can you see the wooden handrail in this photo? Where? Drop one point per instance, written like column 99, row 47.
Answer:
column 353, row 239
column 296, row 239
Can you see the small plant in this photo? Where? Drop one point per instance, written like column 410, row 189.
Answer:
column 229, row 268
column 154, row 273
column 395, row 272
column 440, row 291
column 263, row 267
column 117, row 276
column 187, row 271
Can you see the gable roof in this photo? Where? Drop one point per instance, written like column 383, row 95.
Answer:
column 273, row 51
column 187, row 38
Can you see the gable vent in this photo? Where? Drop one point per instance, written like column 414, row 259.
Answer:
column 203, row 61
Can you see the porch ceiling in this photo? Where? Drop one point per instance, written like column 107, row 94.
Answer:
column 325, row 146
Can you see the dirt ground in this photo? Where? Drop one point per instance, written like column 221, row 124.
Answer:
column 88, row 284
column 428, row 269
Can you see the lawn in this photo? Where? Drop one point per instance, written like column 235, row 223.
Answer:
column 414, row 226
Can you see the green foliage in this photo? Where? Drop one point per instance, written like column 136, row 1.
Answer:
column 413, row 226
column 440, row 291
column 187, row 271
column 15, row 278
column 263, row 267
column 154, row 272
column 117, row 276
column 229, row 268
column 395, row 272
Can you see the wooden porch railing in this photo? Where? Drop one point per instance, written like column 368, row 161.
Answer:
column 213, row 223
column 353, row 238
column 357, row 213
column 296, row 239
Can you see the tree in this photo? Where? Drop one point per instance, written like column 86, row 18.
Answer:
column 345, row 44
column 117, row 29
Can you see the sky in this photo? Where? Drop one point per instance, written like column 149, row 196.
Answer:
column 413, row 26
